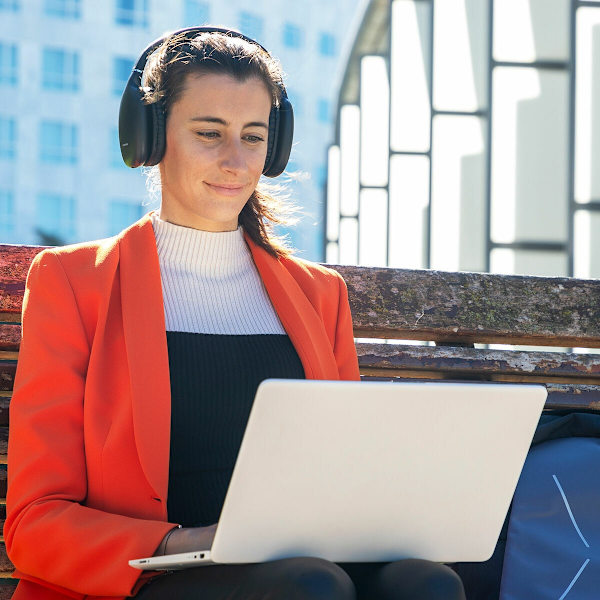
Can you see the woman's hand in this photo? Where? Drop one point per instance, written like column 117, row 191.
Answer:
column 187, row 539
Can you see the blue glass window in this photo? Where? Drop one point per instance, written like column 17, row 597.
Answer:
column 251, row 25
column 121, row 71
column 8, row 64
column 60, row 70
column 327, row 45
column 58, row 142
column 55, row 215
column 323, row 110
column 116, row 159
column 7, row 213
column 292, row 35
column 133, row 13
column 296, row 101
column 121, row 214
column 195, row 13
column 10, row 5
column 8, row 138
column 321, row 175
column 66, row 9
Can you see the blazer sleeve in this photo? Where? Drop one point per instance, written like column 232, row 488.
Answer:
column 50, row 534
column 344, row 349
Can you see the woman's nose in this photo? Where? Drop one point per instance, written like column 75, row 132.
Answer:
column 232, row 157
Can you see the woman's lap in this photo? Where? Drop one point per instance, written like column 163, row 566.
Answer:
column 309, row 579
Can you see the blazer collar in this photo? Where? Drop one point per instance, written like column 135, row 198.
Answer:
column 297, row 315
column 147, row 353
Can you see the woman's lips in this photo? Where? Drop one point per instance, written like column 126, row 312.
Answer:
column 226, row 189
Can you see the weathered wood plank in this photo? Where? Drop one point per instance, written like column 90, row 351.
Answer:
column 560, row 396
column 5, row 564
column 2, row 515
column 10, row 336
column 473, row 307
column 7, row 374
column 3, row 445
column 2, row 481
column 4, row 411
column 466, row 361
column 7, row 588
column 14, row 264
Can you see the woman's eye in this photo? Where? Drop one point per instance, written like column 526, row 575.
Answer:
column 254, row 139
column 210, row 135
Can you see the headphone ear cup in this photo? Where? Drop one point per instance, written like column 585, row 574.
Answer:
column 158, row 134
column 271, row 138
column 281, row 132
column 134, row 125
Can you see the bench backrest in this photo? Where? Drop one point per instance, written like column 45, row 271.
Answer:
column 454, row 310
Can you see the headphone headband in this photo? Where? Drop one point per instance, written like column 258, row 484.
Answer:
column 142, row 126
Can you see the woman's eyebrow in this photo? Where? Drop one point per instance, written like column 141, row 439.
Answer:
column 225, row 123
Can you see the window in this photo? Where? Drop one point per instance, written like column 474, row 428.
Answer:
column 195, row 13
column 292, row 35
column 251, row 25
column 327, row 44
column 116, row 159
column 55, row 215
column 8, row 138
column 9, row 5
column 60, row 70
column 122, row 68
column 58, row 142
column 67, row 9
column 321, row 175
column 296, row 101
column 121, row 214
column 323, row 110
column 8, row 64
column 7, row 212
column 133, row 13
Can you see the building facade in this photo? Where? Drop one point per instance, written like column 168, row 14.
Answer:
column 467, row 138
column 63, row 67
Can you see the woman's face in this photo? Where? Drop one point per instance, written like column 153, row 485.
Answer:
column 216, row 148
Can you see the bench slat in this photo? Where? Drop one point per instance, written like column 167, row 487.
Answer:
column 5, row 564
column 3, row 444
column 10, row 336
column 7, row 374
column 14, row 264
column 7, row 588
column 473, row 307
column 471, row 361
column 560, row 396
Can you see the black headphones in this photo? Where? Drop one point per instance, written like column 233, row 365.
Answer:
column 142, row 126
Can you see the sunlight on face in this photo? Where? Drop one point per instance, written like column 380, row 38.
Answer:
column 216, row 148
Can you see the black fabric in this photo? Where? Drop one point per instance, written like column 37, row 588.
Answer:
column 482, row 580
column 213, row 383
column 309, row 579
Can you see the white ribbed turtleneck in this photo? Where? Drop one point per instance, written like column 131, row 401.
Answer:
column 210, row 282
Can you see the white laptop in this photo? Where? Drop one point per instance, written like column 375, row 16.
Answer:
column 372, row 472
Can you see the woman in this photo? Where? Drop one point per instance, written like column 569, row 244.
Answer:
column 121, row 434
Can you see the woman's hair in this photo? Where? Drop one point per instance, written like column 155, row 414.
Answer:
column 164, row 79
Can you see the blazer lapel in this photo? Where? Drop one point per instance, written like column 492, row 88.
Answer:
column 147, row 354
column 145, row 340
column 297, row 315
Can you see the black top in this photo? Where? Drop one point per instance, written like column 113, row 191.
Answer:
column 213, row 383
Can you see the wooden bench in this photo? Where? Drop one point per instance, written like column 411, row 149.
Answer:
column 454, row 310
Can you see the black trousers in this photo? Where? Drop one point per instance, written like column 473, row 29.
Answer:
column 309, row 579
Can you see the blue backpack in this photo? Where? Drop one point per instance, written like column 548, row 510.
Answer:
column 549, row 547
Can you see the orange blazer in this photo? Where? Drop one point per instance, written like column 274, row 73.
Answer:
column 88, row 464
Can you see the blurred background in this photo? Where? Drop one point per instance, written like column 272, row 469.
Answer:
column 447, row 134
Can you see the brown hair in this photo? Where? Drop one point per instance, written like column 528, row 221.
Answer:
column 164, row 80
